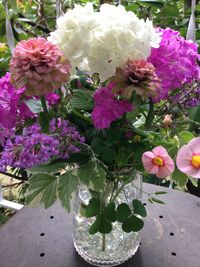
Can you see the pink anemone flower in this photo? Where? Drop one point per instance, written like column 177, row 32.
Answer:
column 188, row 158
column 158, row 162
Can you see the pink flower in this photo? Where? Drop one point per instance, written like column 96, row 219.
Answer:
column 188, row 158
column 38, row 66
column 107, row 107
column 175, row 62
column 137, row 76
column 158, row 162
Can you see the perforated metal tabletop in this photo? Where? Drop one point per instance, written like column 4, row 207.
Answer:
column 35, row 237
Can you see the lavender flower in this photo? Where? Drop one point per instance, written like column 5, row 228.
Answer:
column 34, row 147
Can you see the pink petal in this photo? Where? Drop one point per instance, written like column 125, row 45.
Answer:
column 160, row 151
column 184, row 157
column 163, row 172
column 194, row 145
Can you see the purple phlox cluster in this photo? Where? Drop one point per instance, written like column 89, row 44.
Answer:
column 187, row 98
column 34, row 147
column 13, row 110
column 175, row 61
column 68, row 137
column 107, row 107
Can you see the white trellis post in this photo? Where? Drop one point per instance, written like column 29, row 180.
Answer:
column 8, row 204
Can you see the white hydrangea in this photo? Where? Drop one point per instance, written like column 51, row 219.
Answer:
column 75, row 32
column 102, row 41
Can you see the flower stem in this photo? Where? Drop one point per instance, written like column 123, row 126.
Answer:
column 44, row 104
column 103, row 247
column 150, row 115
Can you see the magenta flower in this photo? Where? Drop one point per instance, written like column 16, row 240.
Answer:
column 175, row 62
column 188, row 158
column 39, row 66
column 158, row 162
column 107, row 107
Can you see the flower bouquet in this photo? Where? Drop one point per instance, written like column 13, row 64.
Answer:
column 88, row 112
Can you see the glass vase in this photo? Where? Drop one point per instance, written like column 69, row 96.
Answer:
column 111, row 249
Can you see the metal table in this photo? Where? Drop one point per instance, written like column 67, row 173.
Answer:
column 35, row 237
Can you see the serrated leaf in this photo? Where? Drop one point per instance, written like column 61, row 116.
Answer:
column 139, row 208
column 45, row 185
column 110, row 212
column 48, row 168
column 67, row 186
column 93, row 208
column 194, row 181
column 133, row 224
column 34, row 105
column 123, row 212
column 179, row 178
column 185, row 136
column 92, row 175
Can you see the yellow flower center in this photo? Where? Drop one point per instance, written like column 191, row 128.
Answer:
column 158, row 161
column 196, row 161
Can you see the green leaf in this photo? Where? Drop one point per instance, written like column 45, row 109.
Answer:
column 133, row 224
column 14, row 6
column 93, row 208
column 48, row 168
column 194, row 181
column 44, row 121
column 67, row 186
column 94, row 228
column 170, row 11
column 92, row 175
column 194, row 113
column 110, row 212
column 139, row 208
column 157, row 200
column 179, row 178
column 185, row 136
column 81, row 99
column 160, row 193
column 123, row 212
column 45, row 185
column 153, row 3
column 101, row 225
column 35, row 106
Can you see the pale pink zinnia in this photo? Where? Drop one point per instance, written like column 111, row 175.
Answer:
column 137, row 76
column 158, row 162
column 39, row 66
column 188, row 158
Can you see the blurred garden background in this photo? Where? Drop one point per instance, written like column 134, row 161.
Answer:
column 21, row 20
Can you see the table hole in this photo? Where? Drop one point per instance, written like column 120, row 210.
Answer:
column 161, row 216
column 51, row 217
column 172, row 234
column 140, row 243
column 42, row 234
column 42, row 254
column 144, row 204
column 173, row 254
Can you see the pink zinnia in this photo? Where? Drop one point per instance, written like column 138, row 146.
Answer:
column 39, row 66
column 158, row 162
column 137, row 76
column 188, row 158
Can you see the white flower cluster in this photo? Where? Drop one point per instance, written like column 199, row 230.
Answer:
column 103, row 41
